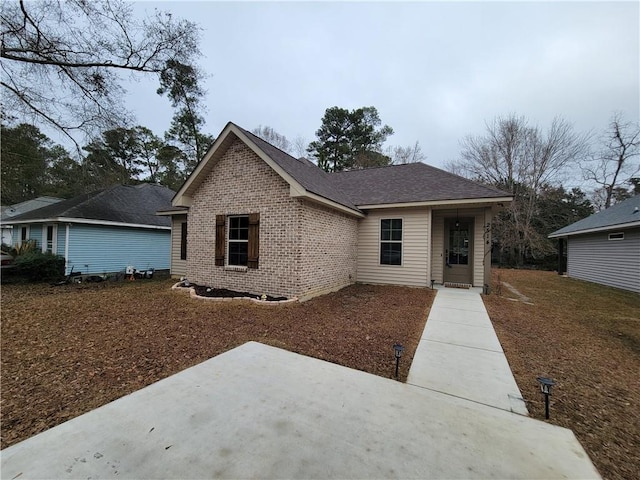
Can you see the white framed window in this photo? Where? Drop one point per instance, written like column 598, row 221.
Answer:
column 24, row 233
column 616, row 236
column 49, row 238
column 238, row 240
column 391, row 241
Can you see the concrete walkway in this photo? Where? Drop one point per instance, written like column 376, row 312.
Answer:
column 261, row 412
column 459, row 353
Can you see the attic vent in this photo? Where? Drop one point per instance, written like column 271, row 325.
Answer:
column 616, row 236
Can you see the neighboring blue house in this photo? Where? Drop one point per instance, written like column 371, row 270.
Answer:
column 605, row 247
column 18, row 209
column 104, row 231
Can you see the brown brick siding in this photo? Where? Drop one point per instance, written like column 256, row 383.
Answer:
column 303, row 247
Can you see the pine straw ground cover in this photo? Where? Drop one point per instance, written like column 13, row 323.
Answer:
column 587, row 338
column 67, row 350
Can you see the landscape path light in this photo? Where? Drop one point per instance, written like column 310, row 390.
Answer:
column 397, row 350
column 545, row 386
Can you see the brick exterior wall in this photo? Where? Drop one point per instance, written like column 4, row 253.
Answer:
column 330, row 249
column 304, row 248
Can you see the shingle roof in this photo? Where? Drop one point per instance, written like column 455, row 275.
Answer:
column 131, row 204
column 619, row 215
column 307, row 174
column 412, row 182
column 11, row 211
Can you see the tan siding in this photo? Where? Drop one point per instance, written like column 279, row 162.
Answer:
column 415, row 248
column 178, row 267
column 437, row 248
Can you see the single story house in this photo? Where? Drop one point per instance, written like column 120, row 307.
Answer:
column 605, row 247
column 11, row 211
column 104, row 231
column 253, row 218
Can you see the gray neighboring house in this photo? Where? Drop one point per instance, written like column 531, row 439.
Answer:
column 605, row 247
column 11, row 211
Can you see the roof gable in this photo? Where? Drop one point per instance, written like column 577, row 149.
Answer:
column 623, row 214
column 347, row 191
column 304, row 178
column 121, row 204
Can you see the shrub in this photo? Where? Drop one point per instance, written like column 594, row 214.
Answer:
column 25, row 247
column 39, row 267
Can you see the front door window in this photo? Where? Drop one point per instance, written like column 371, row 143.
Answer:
column 458, row 245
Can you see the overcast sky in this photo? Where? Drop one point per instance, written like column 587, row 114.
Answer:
column 435, row 71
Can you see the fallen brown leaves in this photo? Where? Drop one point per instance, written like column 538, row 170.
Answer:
column 587, row 338
column 67, row 350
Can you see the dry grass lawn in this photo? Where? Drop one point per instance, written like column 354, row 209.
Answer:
column 587, row 338
column 67, row 350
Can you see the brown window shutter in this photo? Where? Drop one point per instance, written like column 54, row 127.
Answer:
column 220, row 219
column 254, row 240
column 183, row 241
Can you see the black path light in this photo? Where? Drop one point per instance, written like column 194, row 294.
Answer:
column 545, row 387
column 397, row 350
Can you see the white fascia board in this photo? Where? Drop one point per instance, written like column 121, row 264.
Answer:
column 88, row 221
column 295, row 189
column 620, row 226
column 295, row 193
column 182, row 200
column 170, row 213
column 432, row 203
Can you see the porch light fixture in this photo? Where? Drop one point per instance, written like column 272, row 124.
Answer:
column 397, row 350
column 545, row 386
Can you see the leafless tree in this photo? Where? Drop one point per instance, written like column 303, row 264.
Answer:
column 410, row 154
column 520, row 159
column 300, row 145
column 62, row 60
column 268, row 134
column 615, row 163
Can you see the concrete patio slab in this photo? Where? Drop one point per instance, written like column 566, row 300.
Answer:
column 459, row 354
column 261, row 412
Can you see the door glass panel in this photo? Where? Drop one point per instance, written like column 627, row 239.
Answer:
column 459, row 246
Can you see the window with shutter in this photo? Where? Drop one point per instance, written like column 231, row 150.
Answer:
column 241, row 244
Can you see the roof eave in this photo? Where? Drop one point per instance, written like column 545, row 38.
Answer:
column 430, row 203
column 605, row 228
column 88, row 221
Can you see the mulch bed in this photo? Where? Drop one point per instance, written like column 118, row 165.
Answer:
column 67, row 350
column 204, row 291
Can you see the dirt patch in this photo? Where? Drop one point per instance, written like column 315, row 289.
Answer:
column 67, row 350
column 587, row 338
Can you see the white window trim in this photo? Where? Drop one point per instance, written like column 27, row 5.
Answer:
column 54, row 240
column 27, row 236
column 229, row 266
column 614, row 239
column 401, row 242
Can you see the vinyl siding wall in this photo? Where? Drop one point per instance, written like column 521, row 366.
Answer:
column 416, row 244
column 98, row 249
column 595, row 258
column 178, row 266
